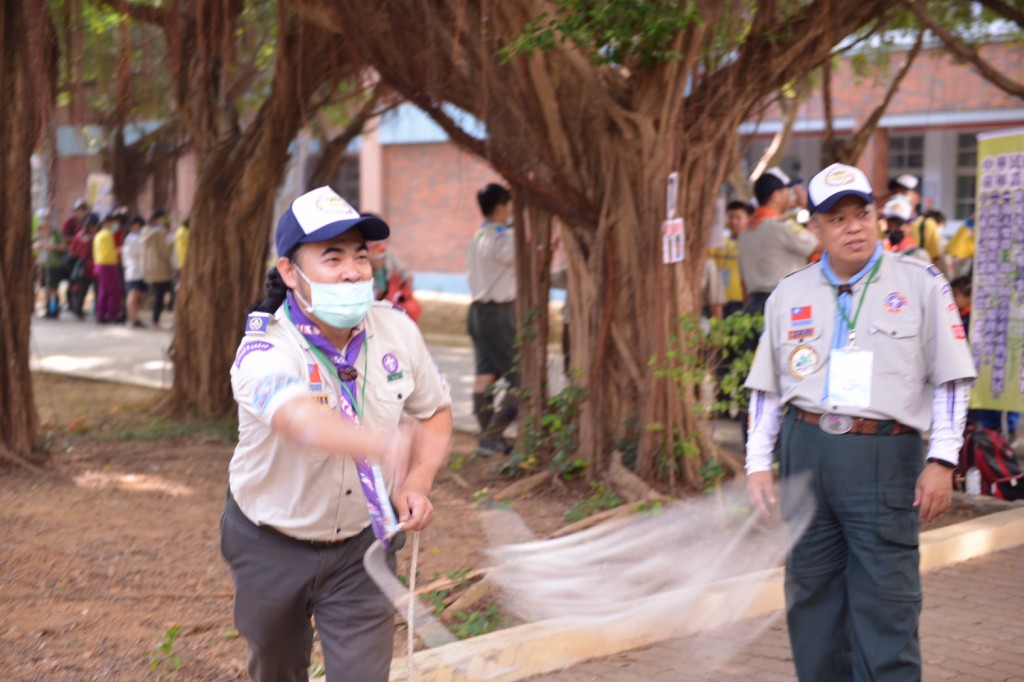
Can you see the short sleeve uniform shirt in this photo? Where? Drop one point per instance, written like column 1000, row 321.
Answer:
column 303, row 493
column 908, row 321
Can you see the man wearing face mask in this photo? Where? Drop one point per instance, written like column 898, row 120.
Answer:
column 321, row 379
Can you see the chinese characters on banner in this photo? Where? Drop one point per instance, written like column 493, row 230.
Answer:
column 997, row 311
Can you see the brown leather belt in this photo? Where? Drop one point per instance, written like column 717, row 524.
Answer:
column 859, row 425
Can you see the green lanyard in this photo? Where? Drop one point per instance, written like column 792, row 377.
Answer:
column 852, row 324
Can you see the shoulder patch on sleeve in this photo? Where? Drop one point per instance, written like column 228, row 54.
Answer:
column 257, row 323
column 251, row 347
column 270, row 386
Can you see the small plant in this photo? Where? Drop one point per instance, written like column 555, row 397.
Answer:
column 600, row 500
column 477, row 623
column 554, row 439
column 163, row 659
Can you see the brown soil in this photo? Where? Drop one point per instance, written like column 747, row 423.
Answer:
column 118, row 541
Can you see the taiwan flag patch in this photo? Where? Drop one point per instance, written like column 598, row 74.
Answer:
column 315, row 383
column 800, row 315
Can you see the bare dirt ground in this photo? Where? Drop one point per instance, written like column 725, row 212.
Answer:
column 116, row 546
column 118, row 542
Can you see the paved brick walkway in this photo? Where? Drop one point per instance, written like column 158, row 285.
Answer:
column 972, row 629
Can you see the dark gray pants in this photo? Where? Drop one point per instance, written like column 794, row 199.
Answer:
column 853, row 585
column 281, row 582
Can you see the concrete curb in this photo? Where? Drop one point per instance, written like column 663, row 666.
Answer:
column 547, row 646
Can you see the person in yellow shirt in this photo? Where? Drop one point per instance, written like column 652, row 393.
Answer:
column 726, row 257
column 960, row 251
column 108, row 275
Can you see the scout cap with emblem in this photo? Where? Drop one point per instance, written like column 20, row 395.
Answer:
column 834, row 183
column 320, row 215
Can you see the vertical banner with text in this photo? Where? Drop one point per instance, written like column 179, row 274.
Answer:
column 997, row 310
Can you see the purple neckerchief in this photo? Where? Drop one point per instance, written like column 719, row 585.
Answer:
column 371, row 479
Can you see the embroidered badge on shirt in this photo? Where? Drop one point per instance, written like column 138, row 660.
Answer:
column 322, row 400
column 390, row 363
column 951, row 308
column 257, row 323
column 803, row 361
column 800, row 314
column 252, row 347
column 801, row 333
column 895, row 302
column 315, row 382
column 959, row 331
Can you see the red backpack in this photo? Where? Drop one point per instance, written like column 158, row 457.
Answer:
column 1001, row 475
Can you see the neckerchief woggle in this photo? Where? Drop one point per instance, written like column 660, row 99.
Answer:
column 371, row 478
column 844, row 299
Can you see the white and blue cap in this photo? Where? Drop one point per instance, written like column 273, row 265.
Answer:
column 837, row 182
column 320, row 215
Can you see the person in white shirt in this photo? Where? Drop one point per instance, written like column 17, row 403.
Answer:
column 131, row 259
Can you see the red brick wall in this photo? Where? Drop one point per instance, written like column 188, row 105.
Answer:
column 430, row 203
column 935, row 83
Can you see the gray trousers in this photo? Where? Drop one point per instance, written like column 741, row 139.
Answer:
column 281, row 582
column 853, row 584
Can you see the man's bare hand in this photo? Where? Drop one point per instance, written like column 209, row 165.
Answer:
column 415, row 510
column 761, row 489
column 934, row 491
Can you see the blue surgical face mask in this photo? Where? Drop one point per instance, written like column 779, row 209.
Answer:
column 342, row 305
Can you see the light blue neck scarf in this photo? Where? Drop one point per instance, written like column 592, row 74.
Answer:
column 844, row 309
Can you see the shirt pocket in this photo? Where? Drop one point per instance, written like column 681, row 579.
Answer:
column 390, row 400
column 897, row 346
column 801, row 351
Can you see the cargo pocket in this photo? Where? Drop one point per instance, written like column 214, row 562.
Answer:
column 898, row 521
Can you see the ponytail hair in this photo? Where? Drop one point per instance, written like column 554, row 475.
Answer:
column 275, row 291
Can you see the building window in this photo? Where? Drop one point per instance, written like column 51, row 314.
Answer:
column 906, row 155
column 966, row 174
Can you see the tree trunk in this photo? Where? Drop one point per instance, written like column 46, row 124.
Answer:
column 593, row 144
column 533, row 279
column 27, row 89
column 232, row 213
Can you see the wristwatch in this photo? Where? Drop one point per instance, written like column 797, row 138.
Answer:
column 949, row 465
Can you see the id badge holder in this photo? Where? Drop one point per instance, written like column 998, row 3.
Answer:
column 849, row 377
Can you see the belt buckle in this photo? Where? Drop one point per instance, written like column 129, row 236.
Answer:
column 835, row 424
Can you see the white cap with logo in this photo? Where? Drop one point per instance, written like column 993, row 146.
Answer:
column 834, row 183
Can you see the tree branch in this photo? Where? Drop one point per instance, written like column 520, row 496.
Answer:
column 1003, row 9
column 963, row 51
column 852, row 150
column 143, row 13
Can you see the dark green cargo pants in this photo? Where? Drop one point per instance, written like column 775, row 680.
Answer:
column 853, row 584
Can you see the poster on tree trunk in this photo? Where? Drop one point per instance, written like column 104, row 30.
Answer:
column 672, row 241
column 997, row 311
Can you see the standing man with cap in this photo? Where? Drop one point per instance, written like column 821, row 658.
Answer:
column 491, row 322
column 322, row 378
column 923, row 230
column 771, row 248
column 861, row 352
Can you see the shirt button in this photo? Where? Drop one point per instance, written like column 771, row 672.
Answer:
column 348, row 492
column 399, row 396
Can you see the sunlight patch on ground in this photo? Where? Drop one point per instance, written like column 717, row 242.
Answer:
column 136, row 483
column 69, row 363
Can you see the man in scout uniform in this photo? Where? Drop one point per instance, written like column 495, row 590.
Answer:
column 861, row 352
column 322, row 378
column 923, row 229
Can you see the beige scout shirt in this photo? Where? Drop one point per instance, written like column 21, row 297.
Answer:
column 490, row 257
column 771, row 251
column 908, row 321
column 313, row 495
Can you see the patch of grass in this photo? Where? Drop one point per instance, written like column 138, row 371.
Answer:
column 164, row 661
column 160, row 428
